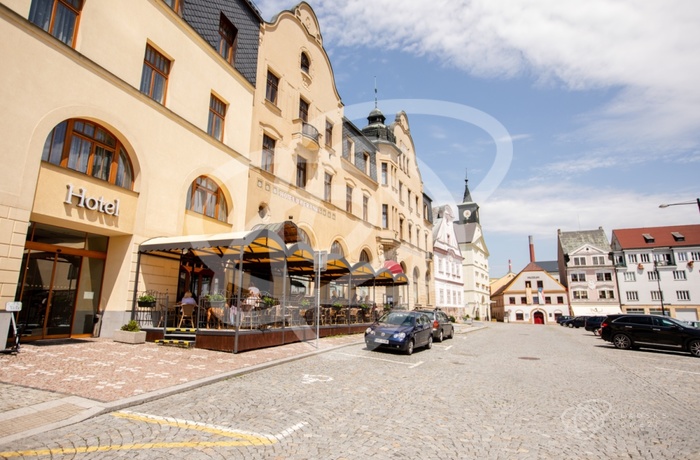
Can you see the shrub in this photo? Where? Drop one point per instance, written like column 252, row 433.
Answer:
column 131, row 326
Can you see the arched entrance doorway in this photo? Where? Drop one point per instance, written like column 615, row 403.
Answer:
column 538, row 317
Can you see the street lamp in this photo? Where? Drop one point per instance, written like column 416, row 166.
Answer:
column 697, row 201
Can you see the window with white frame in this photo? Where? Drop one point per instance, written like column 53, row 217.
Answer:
column 630, row 276
column 682, row 256
column 603, row 276
column 579, row 261
column 632, row 258
column 644, row 258
column 695, row 255
column 580, row 295
column 653, row 275
column 632, row 296
column 578, row 277
column 634, row 311
column 606, row 294
column 683, row 295
column 679, row 275
column 656, row 295
column 598, row 260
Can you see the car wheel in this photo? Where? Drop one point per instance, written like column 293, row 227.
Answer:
column 622, row 342
column 429, row 345
column 452, row 333
column 570, row 325
column 409, row 348
column 370, row 347
column 694, row 348
column 440, row 336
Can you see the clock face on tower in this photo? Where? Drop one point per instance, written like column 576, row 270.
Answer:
column 467, row 213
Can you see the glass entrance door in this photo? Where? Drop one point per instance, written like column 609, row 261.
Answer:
column 48, row 293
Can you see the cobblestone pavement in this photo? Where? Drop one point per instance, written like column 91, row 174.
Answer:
column 509, row 391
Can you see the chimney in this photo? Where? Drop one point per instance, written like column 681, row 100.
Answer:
column 510, row 266
column 532, row 249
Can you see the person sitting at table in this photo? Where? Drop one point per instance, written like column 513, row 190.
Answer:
column 187, row 299
column 253, row 292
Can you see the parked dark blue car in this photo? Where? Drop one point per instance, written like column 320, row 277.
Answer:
column 401, row 330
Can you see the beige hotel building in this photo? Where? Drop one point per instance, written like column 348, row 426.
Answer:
column 126, row 121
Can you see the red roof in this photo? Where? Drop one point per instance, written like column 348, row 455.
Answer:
column 655, row 237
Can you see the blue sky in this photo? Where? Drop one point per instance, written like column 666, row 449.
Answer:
column 567, row 115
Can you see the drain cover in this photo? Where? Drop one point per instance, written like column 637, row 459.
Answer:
column 529, row 358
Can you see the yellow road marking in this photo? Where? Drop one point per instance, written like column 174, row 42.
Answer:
column 244, row 438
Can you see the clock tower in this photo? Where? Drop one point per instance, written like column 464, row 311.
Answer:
column 467, row 211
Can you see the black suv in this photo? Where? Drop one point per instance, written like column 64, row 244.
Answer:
column 442, row 327
column 651, row 331
column 592, row 324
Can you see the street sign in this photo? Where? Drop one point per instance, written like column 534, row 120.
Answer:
column 13, row 306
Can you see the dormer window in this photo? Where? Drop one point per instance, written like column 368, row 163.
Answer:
column 648, row 238
column 678, row 236
column 305, row 62
column 227, row 40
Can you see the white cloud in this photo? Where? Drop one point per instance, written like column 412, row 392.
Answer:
column 538, row 209
column 647, row 50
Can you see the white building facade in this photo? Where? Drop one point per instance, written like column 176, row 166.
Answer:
column 586, row 269
column 475, row 258
column 657, row 270
column 447, row 260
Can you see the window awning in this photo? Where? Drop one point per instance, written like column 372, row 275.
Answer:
column 393, row 266
column 260, row 245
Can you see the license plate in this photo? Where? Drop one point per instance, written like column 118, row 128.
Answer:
column 384, row 341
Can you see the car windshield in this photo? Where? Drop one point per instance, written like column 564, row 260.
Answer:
column 398, row 319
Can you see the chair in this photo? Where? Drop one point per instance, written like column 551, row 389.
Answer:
column 187, row 312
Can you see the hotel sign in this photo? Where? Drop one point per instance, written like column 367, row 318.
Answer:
column 82, row 199
column 303, row 203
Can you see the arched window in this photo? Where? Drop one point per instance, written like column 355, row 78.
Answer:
column 89, row 148
column 303, row 236
column 305, row 62
column 364, row 256
column 336, row 248
column 205, row 197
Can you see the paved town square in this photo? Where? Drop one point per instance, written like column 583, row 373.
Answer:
column 506, row 391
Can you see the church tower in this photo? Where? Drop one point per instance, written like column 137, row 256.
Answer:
column 468, row 210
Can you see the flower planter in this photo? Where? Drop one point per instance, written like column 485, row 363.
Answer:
column 142, row 303
column 129, row 337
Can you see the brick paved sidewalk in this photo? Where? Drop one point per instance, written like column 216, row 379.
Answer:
column 55, row 383
column 58, row 382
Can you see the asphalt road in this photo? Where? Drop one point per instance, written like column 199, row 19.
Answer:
column 509, row 391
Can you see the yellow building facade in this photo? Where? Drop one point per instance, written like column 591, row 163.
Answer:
column 137, row 121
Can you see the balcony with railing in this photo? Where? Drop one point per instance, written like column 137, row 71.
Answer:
column 307, row 134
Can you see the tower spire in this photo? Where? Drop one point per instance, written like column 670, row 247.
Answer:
column 467, row 194
column 375, row 91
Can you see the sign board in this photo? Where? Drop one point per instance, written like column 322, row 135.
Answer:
column 320, row 261
column 13, row 306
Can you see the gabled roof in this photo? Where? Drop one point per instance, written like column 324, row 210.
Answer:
column 571, row 241
column 638, row 238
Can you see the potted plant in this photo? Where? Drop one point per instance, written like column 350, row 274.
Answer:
column 130, row 333
column 305, row 303
column 216, row 300
column 146, row 300
column 269, row 301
